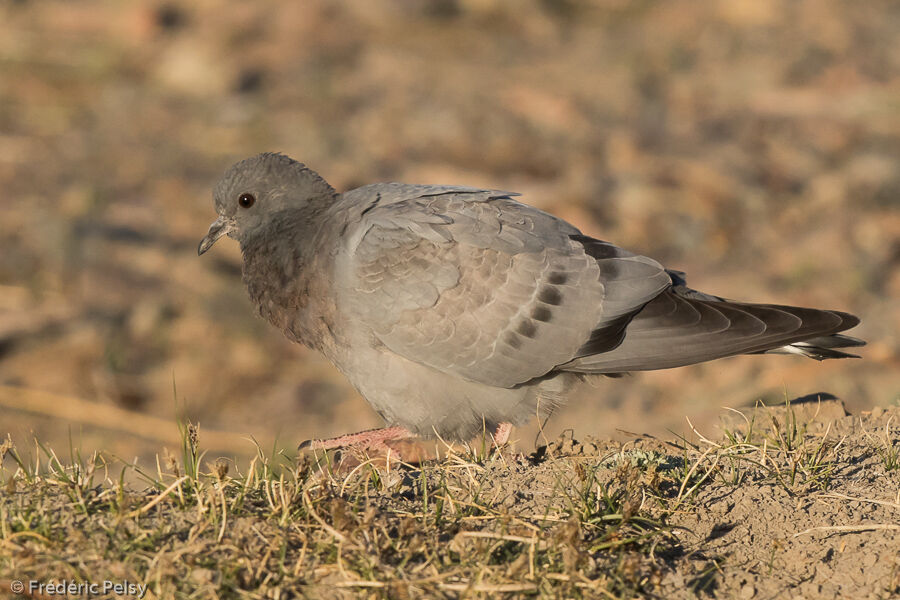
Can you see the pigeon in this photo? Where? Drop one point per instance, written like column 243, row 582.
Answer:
column 456, row 310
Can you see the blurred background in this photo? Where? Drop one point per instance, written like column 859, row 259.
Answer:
column 754, row 144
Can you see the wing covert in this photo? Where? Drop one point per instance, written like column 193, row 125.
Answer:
column 477, row 284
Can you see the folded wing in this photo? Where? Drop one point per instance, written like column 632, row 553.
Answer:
column 474, row 283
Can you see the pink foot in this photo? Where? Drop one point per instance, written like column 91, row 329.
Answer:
column 396, row 441
column 501, row 434
column 389, row 444
column 374, row 439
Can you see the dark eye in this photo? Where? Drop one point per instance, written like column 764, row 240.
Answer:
column 246, row 200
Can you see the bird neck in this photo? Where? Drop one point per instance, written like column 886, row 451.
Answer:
column 280, row 271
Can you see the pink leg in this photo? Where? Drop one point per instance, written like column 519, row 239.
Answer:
column 371, row 438
column 397, row 440
column 501, row 434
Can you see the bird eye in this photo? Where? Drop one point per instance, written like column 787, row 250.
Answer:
column 246, row 200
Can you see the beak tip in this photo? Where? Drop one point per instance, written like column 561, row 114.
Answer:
column 220, row 227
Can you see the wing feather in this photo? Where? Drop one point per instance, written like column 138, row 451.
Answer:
column 474, row 283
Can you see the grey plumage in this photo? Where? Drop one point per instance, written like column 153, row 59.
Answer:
column 450, row 307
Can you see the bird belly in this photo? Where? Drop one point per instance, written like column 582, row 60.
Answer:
column 432, row 403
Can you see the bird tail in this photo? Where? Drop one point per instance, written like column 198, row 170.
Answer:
column 681, row 327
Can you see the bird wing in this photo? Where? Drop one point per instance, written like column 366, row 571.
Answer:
column 473, row 283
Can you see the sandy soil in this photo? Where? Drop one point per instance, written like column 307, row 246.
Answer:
column 779, row 502
column 826, row 526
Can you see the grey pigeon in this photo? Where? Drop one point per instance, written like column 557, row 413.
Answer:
column 452, row 308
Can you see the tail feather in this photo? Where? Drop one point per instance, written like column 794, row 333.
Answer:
column 681, row 327
column 821, row 348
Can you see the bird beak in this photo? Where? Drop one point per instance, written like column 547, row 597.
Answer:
column 219, row 227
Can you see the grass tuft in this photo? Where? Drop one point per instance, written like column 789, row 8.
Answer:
column 573, row 520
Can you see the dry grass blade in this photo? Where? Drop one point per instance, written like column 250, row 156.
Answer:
column 362, row 584
column 160, row 497
column 855, row 499
column 497, row 536
column 331, row 530
column 850, row 528
column 481, row 588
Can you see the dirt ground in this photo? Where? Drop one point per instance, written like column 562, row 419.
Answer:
column 799, row 501
column 808, row 513
column 759, row 538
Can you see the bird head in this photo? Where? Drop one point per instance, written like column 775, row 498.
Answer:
column 254, row 190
